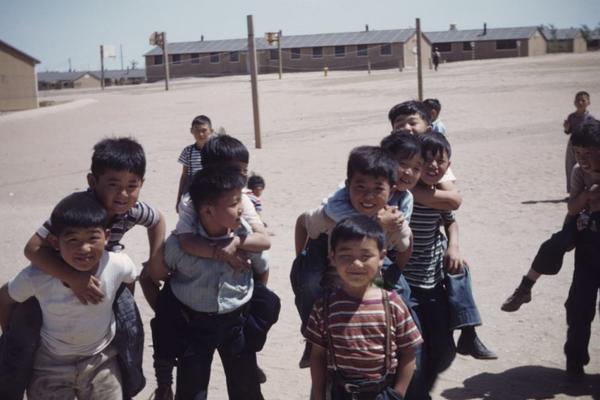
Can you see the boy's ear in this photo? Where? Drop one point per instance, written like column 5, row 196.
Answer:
column 53, row 240
column 91, row 180
column 107, row 234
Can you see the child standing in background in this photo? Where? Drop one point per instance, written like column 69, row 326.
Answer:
column 574, row 121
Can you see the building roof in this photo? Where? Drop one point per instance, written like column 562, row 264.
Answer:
column 56, row 76
column 22, row 54
column 561, row 34
column 121, row 73
column 287, row 42
column 595, row 34
column 476, row 35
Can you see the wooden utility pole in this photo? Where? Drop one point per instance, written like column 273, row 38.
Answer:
column 254, row 81
column 419, row 64
column 102, row 66
column 279, row 53
column 163, row 43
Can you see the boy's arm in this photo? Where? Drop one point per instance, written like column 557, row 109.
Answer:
column 318, row 371
column 156, row 240
column 577, row 203
column 405, row 370
column 6, row 306
column 182, row 180
column 403, row 257
column 452, row 259
column 444, row 196
column 84, row 285
column 255, row 242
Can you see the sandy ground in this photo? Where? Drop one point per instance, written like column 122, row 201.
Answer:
column 505, row 123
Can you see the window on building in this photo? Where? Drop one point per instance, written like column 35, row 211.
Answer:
column 295, row 53
column 195, row 58
column 467, row 46
column 214, row 58
column 362, row 50
column 506, row 44
column 234, row 56
column 273, row 54
column 317, row 52
column 158, row 60
column 340, row 51
column 176, row 58
column 443, row 47
column 386, row 49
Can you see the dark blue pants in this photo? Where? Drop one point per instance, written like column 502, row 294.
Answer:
column 583, row 294
column 549, row 258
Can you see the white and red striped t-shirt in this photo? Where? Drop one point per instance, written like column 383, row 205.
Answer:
column 358, row 332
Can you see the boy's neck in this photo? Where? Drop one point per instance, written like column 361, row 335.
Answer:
column 362, row 293
column 212, row 227
column 580, row 112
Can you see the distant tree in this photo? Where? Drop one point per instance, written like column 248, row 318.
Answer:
column 586, row 32
column 133, row 63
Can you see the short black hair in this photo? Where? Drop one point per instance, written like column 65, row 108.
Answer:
column 409, row 108
column 372, row 161
column 78, row 210
column 209, row 184
column 255, row 181
column 433, row 104
column 402, row 146
column 118, row 154
column 201, row 119
column 223, row 149
column 582, row 93
column 587, row 135
column 357, row 227
column 435, row 143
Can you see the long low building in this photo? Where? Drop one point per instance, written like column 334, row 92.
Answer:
column 18, row 89
column 485, row 43
column 89, row 79
column 568, row 40
column 348, row 51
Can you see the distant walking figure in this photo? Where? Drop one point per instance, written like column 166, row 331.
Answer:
column 436, row 58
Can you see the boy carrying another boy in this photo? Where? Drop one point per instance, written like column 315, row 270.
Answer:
column 203, row 307
column 77, row 357
column 363, row 337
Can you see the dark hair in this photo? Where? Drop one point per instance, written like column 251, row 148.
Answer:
column 118, row 154
column 402, row 146
column 357, row 227
column 201, row 119
column 373, row 161
column 587, row 135
column 209, row 184
column 223, row 149
column 255, row 181
column 78, row 210
column 409, row 108
column 582, row 93
column 433, row 104
column 435, row 143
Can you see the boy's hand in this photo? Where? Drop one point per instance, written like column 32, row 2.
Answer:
column 86, row 288
column 390, row 218
column 228, row 252
column 453, row 261
column 566, row 126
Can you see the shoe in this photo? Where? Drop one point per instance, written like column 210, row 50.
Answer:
column 474, row 348
column 305, row 360
column 518, row 298
column 262, row 377
column 575, row 372
column 163, row 393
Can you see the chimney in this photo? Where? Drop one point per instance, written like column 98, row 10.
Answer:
column 366, row 27
column 202, row 38
column 484, row 28
column 452, row 27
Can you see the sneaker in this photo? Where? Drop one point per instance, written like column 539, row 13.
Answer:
column 305, row 360
column 163, row 393
column 516, row 300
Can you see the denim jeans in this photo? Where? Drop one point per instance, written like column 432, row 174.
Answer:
column 549, row 258
column 462, row 307
column 581, row 302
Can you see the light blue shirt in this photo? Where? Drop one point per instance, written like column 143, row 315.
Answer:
column 205, row 284
column 438, row 126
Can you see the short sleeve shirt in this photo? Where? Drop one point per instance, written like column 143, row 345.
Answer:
column 581, row 181
column 191, row 158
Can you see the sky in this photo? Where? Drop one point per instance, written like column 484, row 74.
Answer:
column 56, row 31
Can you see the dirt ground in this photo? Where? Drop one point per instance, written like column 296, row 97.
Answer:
column 504, row 120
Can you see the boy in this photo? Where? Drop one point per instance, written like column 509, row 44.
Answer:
column 190, row 156
column 117, row 175
column 435, row 108
column 583, row 199
column 211, row 296
column 570, row 125
column 77, row 355
column 256, row 185
column 363, row 337
column 583, row 294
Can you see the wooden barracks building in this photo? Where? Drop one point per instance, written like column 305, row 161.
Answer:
column 347, row 51
column 18, row 87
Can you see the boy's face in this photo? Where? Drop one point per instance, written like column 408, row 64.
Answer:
column 357, row 262
column 81, row 248
column 409, row 172
column 413, row 124
column 258, row 190
column 588, row 158
column 227, row 210
column 201, row 132
column 435, row 167
column 368, row 194
column 581, row 103
column 117, row 190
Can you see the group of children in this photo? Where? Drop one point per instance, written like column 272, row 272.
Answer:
column 379, row 281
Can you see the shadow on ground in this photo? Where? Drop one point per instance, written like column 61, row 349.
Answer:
column 524, row 383
column 551, row 201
